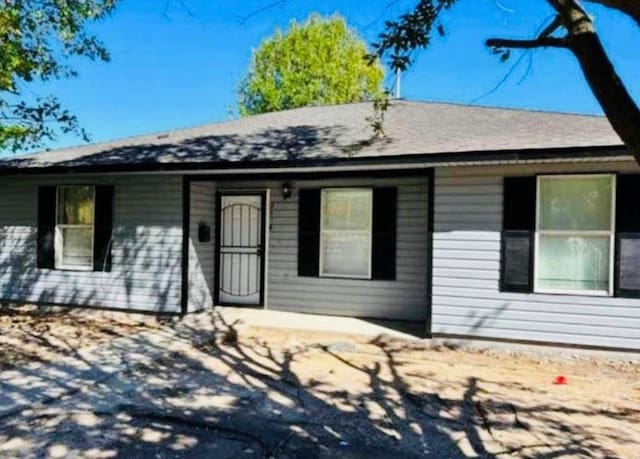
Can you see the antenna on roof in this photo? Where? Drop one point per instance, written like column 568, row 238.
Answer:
column 397, row 84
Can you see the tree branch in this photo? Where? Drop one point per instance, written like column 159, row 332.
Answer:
column 629, row 7
column 555, row 24
column 614, row 98
column 544, row 39
column 540, row 42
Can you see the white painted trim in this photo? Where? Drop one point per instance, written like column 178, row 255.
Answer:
column 604, row 293
column 265, row 247
column 612, row 236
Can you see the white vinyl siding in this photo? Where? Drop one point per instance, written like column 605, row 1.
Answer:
column 402, row 299
column 146, row 249
column 466, row 270
column 201, row 253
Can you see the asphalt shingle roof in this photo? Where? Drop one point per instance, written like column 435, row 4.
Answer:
column 339, row 131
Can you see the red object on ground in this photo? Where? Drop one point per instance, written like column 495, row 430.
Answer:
column 560, row 380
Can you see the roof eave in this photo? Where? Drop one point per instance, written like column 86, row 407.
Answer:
column 431, row 159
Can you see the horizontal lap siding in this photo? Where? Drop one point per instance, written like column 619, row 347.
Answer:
column 466, row 271
column 201, row 254
column 147, row 243
column 403, row 299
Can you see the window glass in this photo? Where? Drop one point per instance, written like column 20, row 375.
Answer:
column 346, row 232
column 575, row 203
column 74, row 229
column 573, row 263
column 574, row 234
column 77, row 247
column 347, row 209
column 75, row 205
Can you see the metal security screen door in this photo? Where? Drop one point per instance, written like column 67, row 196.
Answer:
column 240, row 252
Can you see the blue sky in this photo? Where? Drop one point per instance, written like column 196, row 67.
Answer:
column 181, row 67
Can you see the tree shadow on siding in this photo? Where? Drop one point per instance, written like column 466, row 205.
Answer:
column 145, row 274
column 235, row 396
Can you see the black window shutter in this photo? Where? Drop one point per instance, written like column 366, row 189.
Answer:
column 103, row 228
column 309, row 232
column 384, row 233
column 518, row 227
column 627, row 268
column 46, row 226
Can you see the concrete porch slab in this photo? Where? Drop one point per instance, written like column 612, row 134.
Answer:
column 322, row 323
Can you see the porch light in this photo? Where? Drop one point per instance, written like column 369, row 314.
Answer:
column 286, row 190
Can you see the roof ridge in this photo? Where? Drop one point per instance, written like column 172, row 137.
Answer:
column 498, row 107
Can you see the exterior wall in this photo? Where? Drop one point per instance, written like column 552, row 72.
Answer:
column 147, row 246
column 201, row 254
column 466, row 270
column 403, row 299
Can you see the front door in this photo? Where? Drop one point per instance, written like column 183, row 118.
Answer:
column 240, row 248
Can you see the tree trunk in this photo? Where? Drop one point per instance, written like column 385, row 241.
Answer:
column 629, row 7
column 615, row 100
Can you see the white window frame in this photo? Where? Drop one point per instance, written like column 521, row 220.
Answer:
column 59, row 242
column 594, row 233
column 323, row 193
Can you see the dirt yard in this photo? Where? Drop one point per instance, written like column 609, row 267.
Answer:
column 240, row 391
column 29, row 333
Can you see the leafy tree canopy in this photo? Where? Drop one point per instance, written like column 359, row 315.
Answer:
column 321, row 61
column 37, row 40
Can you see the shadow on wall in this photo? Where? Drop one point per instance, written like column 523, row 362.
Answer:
column 246, row 398
column 270, row 144
column 467, row 252
column 146, row 272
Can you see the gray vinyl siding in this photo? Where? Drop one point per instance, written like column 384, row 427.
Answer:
column 147, row 246
column 403, row 299
column 466, row 270
column 201, row 254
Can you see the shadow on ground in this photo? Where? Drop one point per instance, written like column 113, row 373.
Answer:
column 236, row 394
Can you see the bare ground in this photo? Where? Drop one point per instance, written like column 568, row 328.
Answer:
column 257, row 392
column 29, row 333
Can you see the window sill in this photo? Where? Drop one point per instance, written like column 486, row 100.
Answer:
column 73, row 268
column 345, row 277
column 598, row 293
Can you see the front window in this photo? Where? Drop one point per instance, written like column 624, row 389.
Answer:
column 74, row 227
column 345, row 239
column 575, row 234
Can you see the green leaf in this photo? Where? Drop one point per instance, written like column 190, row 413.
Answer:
column 321, row 61
column 37, row 41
